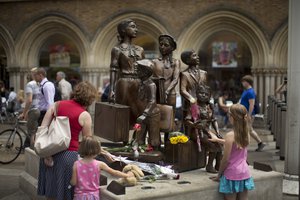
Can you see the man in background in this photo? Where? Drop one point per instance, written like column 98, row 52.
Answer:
column 31, row 112
column 248, row 100
column 47, row 91
column 63, row 85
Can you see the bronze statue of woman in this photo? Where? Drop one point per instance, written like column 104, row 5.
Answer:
column 166, row 71
column 124, row 82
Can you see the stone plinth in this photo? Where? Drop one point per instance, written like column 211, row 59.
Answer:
column 268, row 185
column 31, row 163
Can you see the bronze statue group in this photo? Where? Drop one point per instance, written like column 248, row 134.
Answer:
column 148, row 87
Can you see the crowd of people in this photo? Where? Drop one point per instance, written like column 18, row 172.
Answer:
column 58, row 172
column 36, row 105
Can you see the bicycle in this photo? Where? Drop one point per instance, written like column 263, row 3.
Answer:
column 11, row 141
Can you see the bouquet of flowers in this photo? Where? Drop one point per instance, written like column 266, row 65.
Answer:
column 154, row 171
column 178, row 137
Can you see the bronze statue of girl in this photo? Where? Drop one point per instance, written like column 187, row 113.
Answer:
column 124, row 82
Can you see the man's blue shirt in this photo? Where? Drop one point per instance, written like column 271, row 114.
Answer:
column 246, row 96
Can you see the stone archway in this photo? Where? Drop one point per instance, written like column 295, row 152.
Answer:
column 279, row 53
column 7, row 42
column 9, row 60
column 204, row 27
column 28, row 43
column 226, row 58
column 280, row 47
column 197, row 33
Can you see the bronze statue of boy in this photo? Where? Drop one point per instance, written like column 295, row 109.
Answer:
column 199, row 122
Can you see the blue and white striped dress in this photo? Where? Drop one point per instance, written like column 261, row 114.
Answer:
column 54, row 182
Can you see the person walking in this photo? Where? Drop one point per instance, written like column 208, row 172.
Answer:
column 12, row 100
column 64, row 86
column 248, row 100
column 31, row 113
column 47, row 91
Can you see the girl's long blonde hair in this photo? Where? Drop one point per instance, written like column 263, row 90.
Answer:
column 240, row 125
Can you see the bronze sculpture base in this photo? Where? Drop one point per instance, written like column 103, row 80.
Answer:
column 147, row 157
column 112, row 121
column 185, row 157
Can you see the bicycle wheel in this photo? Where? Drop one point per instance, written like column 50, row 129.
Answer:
column 10, row 146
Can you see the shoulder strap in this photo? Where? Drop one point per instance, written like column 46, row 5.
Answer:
column 45, row 83
column 56, row 105
column 43, row 87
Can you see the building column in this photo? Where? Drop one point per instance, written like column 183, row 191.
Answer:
column 94, row 75
column 267, row 88
column 17, row 77
column 272, row 83
column 278, row 82
column 293, row 112
column 258, row 85
column 260, row 91
column 255, row 81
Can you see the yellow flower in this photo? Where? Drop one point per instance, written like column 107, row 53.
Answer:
column 185, row 139
column 174, row 140
column 179, row 139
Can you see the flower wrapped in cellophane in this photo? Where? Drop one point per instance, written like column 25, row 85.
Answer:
column 177, row 138
column 153, row 171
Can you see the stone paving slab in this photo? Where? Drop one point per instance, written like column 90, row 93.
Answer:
column 268, row 186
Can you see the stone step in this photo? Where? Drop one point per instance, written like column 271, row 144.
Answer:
column 10, row 176
column 20, row 195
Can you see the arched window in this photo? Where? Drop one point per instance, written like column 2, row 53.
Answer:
column 226, row 57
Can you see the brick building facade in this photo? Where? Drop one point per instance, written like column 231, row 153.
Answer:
column 91, row 26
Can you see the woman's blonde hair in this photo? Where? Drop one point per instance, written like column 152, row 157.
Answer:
column 240, row 125
column 84, row 93
column 89, row 146
column 21, row 96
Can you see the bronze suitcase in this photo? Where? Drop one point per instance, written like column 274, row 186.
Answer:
column 160, row 91
column 185, row 157
column 167, row 119
column 111, row 121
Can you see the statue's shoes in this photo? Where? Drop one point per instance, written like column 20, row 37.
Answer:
column 211, row 170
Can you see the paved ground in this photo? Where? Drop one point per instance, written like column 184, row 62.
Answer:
column 9, row 191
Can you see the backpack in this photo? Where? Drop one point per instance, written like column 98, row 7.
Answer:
column 256, row 106
column 57, row 95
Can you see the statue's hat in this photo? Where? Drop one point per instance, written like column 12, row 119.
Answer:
column 171, row 39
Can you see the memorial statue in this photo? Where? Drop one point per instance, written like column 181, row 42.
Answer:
column 124, row 81
column 150, row 117
column 199, row 122
column 190, row 79
column 166, row 71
